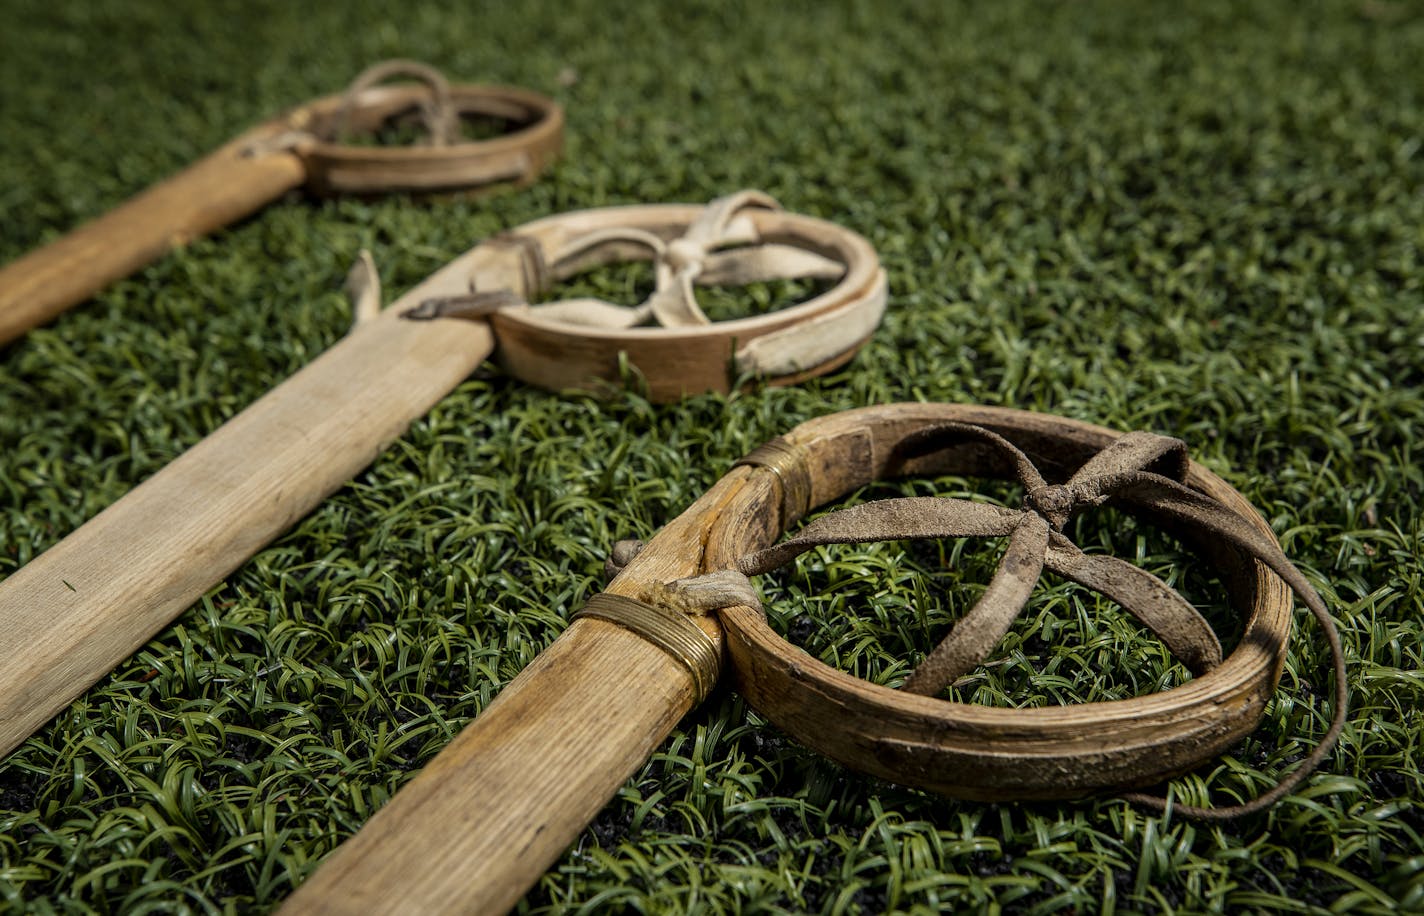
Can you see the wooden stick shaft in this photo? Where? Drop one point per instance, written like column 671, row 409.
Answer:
column 86, row 604
column 213, row 192
column 479, row 825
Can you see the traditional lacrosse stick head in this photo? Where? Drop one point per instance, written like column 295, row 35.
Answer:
column 320, row 133
column 909, row 735
column 536, row 765
column 743, row 238
column 305, row 148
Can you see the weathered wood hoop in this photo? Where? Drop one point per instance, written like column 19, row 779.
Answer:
column 333, row 167
column 971, row 751
column 676, row 361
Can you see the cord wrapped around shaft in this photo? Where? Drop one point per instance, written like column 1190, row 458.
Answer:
column 788, row 463
column 670, row 630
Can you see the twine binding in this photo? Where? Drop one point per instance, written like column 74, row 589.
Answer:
column 668, row 629
column 788, row 463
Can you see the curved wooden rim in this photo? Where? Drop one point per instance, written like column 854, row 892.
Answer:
column 669, row 220
column 975, row 751
column 675, row 361
column 517, row 156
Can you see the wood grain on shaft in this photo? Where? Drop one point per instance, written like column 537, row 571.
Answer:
column 213, row 192
column 480, row 824
column 497, row 807
column 71, row 614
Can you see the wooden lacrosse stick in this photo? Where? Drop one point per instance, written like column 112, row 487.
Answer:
column 304, row 147
column 476, row 828
column 75, row 611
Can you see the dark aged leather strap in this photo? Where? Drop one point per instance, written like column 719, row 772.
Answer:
column 1036, row 541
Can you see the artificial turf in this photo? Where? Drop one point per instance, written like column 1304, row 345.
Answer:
column 1201, row 220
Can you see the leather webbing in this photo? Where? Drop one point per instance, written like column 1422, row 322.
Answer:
column 1132, row 470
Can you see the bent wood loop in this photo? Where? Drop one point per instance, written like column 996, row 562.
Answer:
column 87, row 603
column 1030, row 754
column 476, row 828
column 743, row 238
column 302, row 147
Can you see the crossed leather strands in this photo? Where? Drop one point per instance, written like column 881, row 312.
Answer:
column 1036, row 542
column 692, row 259
column 438, row 114
column 1141, row 470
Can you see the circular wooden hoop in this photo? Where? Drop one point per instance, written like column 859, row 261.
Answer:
column 971, row 751
column 337, row 168
column 676, row 362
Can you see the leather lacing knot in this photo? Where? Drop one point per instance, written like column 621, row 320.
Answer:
column 620, row 556
column 1054, row 502
column 684, row 254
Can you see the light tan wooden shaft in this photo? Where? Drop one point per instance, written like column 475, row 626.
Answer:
column 75, row 611
column 213, row 192
column 494, row 810
column 475, row 830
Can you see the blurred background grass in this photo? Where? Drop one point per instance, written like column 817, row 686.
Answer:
column 1206, row 222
